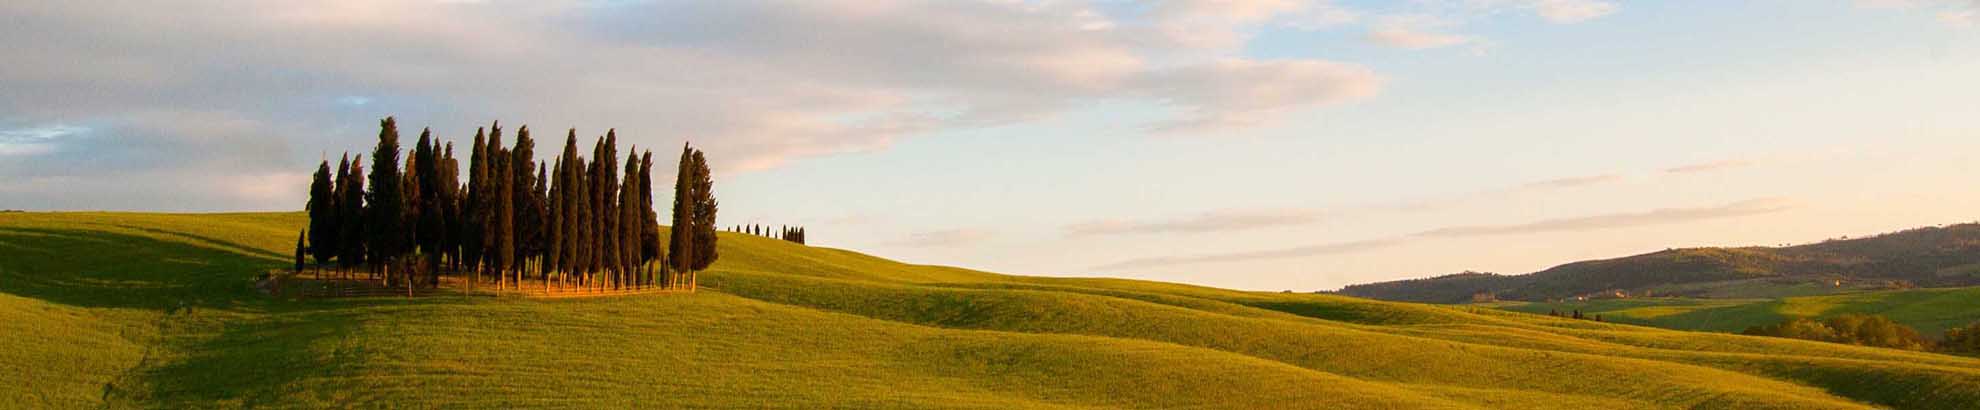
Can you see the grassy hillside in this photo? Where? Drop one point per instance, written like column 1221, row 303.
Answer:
column 1932, row 257
column 150, row 310
column 1931, row 311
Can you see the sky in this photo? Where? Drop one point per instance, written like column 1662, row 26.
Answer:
column 1250, row 144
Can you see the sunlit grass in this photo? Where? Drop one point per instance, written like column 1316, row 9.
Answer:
column 147, row 310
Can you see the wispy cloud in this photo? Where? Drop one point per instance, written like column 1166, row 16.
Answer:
column 1709, row 166
column 1572, row 11
column 1573, row 182
column 1222, row 221
column 944, row 238
column 1415, row 32
column 1303, row 251
column 1586, row 223
column 35, row 140
column 1619, row 220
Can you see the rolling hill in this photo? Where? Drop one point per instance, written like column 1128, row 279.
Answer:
column 1930, row 311
column 1929, row 257
column 125, row 310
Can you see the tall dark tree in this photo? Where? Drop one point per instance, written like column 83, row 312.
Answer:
column 553, row 229
column 649, row 232
column 474, row 209
column 322, row 214
column 571, row 201
column 629, row 224
column 604, row 204
column 350, row 213
column 431, row 226
column 705, row 207
column 504, row 222
column 385, row 223
column 539, row 219
column 522, row 202
column 450, row 205
column 680, row 244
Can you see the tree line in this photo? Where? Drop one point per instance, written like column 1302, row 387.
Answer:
column 1872, row 330
column 788, row 233
column 577, row 221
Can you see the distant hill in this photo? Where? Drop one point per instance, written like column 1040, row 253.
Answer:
column 1931, row 257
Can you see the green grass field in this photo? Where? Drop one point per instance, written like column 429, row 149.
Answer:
column 1931, row 311
column 154, row 310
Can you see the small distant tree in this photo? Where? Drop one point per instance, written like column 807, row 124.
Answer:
column 300, row 235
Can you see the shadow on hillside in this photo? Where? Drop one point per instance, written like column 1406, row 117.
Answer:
column 106, row 269
column 215, row 243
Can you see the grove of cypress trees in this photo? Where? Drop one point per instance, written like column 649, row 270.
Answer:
column 322, row 214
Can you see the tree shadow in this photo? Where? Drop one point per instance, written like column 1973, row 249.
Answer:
column 89, row 268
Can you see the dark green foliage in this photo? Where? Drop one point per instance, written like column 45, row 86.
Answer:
column 605, row 180
column 525, row 210
column 1857, row 329
column 553, row 224
column 1962, row 340
column 649, row 231
column 300, row 251
column 705, row 207
column 570, row 203
column 322, row 214
column 502, row 221
column 474, row 208
column 433, row 203
column 629, row 221
column 385, row 222
column 350, row 212
column 680, row 245
column 449, row 183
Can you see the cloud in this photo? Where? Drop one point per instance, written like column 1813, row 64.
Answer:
column 1709, row 166
column 1619, row 220
column 36, row 140
column 1586, row 223
column 1414, row 32
column 1573, row 182
column 756, row 84
column 1303, row 251
column 1572, row 11
column 1225, row 221
column 1952, row 13
column 1237, row 93
column 944, row 238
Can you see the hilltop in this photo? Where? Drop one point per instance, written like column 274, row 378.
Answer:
column 1924, row 257
column 125, row 310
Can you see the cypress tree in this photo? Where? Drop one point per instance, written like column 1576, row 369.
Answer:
column 449, row 184
column 475, row 208
column 629, row 225
column 522, row 181
column 573, row 216
column 608, row 185
column 385, row 223
column 300, row 235
column 649, row 232
column 553, row 252
column 539, row 220
column 680, row 245
column 350, row 213
column 322, row 214
column 705, row 207
column 504, row 222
